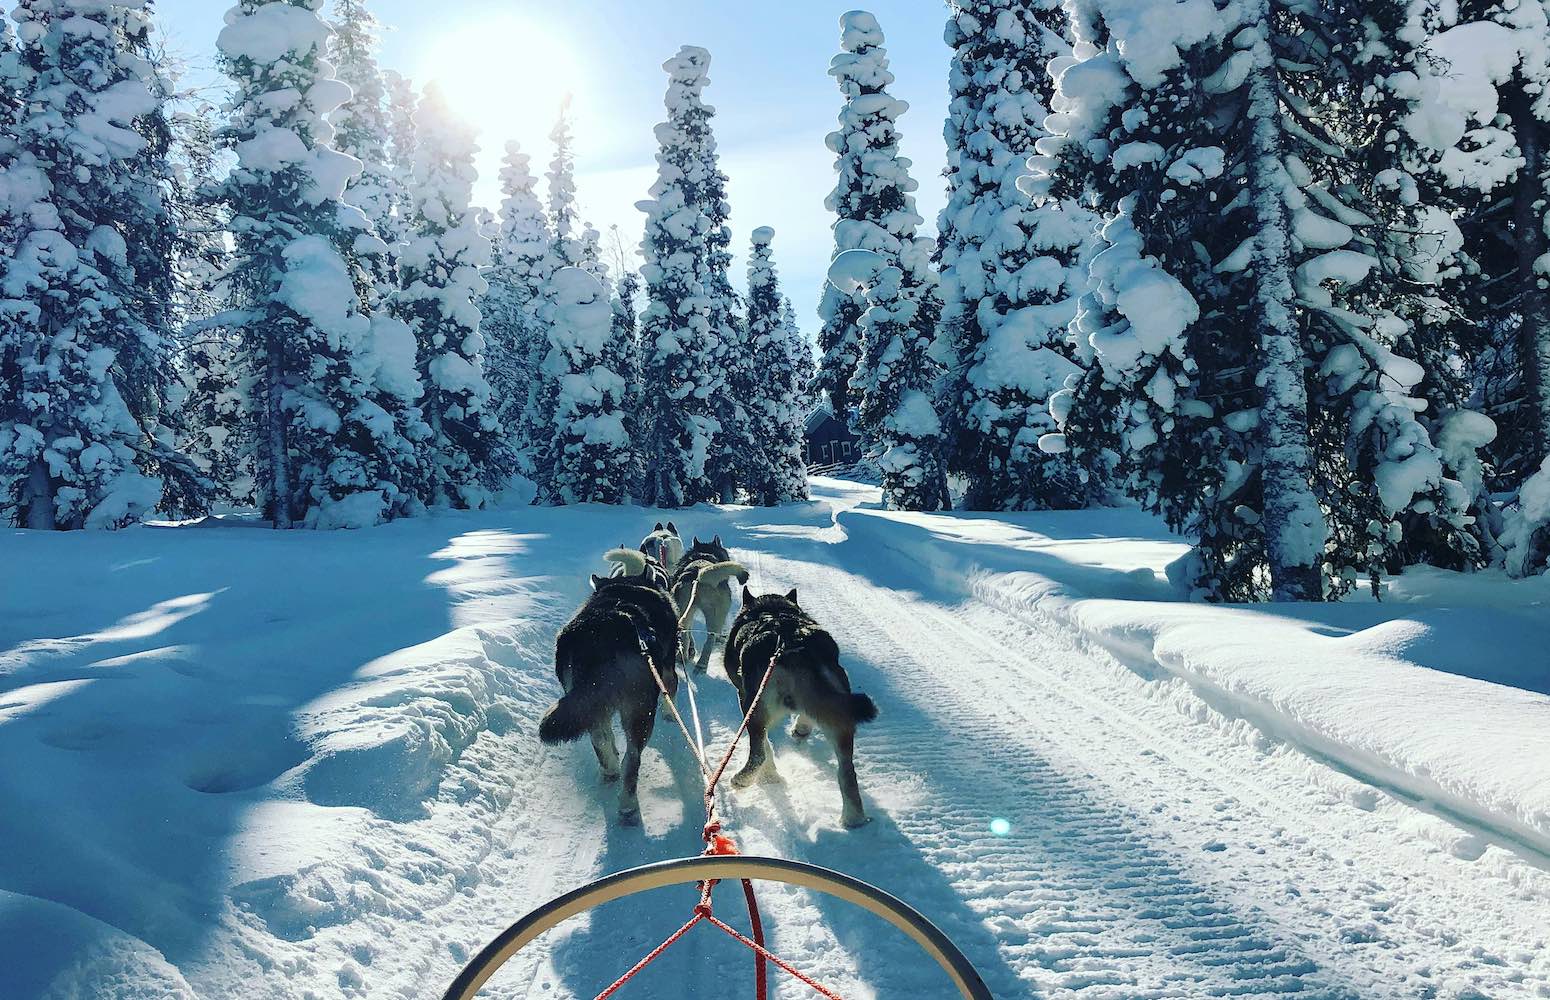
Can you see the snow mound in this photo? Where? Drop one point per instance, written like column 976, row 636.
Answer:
column 1394, row 694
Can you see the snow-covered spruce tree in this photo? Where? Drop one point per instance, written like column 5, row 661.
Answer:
column 403, row 141
column 1497, row 80
column 567, row 248
column 897, row 378
column 511, row 322
column 737, row 453
column 566, row 236
column 440, row 266
column 1010, row 273
column 679, row 371
column 873, row 198
column 318, row 370
column 1490, row 117
column 1244, row 270
column 10, row 89
column 774, row 405
column 82, row 347
column 586, row 360
column 806, row 366
column 211, row 418
column 627, row 335
column 592, row 260
column 361, row 124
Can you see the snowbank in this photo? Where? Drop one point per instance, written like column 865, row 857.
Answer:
column 300, row 740
column 1439, row 695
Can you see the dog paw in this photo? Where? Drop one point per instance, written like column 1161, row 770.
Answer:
column 856, row 822
column 629, row 817
column 743, row 779
column 801, row 732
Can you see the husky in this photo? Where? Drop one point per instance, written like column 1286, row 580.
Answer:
column 808, row 680
column 663, row 543
column 701, row 584
column 629, row 562
column 600, row 660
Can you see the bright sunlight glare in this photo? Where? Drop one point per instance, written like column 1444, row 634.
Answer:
column 506, row 76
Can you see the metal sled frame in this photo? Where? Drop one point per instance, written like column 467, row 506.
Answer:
column 718, row 867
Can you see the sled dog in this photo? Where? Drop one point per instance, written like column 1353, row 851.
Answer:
column 702, row 584
column 664, row 543
column 808, row 680
column 599, row 662
column 630, row 562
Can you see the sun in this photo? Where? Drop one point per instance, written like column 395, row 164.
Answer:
column 505, row 75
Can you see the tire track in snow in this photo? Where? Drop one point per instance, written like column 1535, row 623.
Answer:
column 1269, row 851
column 1079, row 896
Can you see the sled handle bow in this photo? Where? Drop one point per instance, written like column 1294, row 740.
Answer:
column 713, row 867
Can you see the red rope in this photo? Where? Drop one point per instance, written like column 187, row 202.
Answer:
column 763, row 952
column 710, row 789
column 761, row 975
column 718, row 844
column 655, row 954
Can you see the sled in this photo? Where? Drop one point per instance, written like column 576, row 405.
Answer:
column 710, row 869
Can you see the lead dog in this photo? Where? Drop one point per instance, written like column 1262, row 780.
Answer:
column 599, row 661
column 807, row 680
column 702, row 584
column 663, row 543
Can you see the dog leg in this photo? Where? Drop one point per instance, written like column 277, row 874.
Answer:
column 637, row 732
column 716, row 609
column 607, row 750
column 761, row 756
column 853, row 814
column 803, row 727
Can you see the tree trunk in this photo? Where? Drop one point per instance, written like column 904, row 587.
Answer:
column 1295, row 529
column 1530, row 244
column 439, row 472
column 279, row 457
column 38, row 498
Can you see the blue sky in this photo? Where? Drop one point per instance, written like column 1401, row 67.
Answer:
column 510, row 61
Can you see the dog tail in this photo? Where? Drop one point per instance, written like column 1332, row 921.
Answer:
column 711, row 576
column 822, row 647
column 573, row 715
column 627, row 562
column 717, row 573
column 567, row 719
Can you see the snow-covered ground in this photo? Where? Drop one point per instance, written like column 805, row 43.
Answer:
column 235, row 763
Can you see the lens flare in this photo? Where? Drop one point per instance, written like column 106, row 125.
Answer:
column 1000, row 827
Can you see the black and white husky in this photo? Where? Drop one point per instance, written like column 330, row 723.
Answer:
column 701, row 584
column 808, row 681
column 599, row 660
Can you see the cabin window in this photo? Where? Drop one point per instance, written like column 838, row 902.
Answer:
column 847, row 449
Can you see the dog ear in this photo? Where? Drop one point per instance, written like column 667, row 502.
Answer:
column 792, row 597
column 658, row 527
column 696, row 541
column 671, row 528
column 716, row 540
column 747, row 597
column 595, row 580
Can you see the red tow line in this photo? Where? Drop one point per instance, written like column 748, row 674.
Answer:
column 719, row 843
